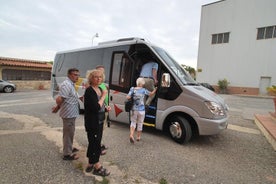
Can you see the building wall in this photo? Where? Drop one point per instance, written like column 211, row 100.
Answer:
column 244, row 60
column 32, row 85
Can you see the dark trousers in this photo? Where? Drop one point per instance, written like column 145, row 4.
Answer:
column 94, row 144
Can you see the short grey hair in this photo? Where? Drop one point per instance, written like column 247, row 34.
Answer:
column 140, row 82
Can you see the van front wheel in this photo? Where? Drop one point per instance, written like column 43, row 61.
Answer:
column 180, row 129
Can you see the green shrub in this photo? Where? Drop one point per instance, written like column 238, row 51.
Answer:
column 223, row 85
column 271, row 90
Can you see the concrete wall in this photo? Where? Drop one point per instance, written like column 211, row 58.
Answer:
column 244, row 61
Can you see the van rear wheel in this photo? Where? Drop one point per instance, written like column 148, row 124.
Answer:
column 180, row 129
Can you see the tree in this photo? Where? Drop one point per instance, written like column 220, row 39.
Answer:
column 189, row 69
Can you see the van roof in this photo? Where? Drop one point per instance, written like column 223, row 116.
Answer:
column 112, row 43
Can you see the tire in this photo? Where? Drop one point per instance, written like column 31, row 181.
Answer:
column 8, row 89
column 180, row 129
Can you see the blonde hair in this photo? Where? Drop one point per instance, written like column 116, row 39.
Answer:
column 140, row 82
column 93, row 73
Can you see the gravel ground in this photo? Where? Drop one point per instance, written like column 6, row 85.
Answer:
column 30, row 139
column 31, row 158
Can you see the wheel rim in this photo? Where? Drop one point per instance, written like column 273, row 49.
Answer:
column 8, row 89
column 175, row 130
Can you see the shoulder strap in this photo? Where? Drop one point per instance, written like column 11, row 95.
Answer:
column 100, row 89
column 134, row 91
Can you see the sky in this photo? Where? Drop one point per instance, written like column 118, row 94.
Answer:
column 38, row 29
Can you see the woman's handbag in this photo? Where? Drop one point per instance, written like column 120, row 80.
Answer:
column 129, row 103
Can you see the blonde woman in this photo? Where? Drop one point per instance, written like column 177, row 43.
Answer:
column 94, row 116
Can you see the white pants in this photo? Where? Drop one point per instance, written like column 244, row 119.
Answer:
column 137, row 118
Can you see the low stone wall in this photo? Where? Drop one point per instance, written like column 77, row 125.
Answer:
column 36, row 85
column 239, row 90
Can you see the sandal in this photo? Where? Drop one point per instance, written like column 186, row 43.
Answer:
column 89, row 168
column 103, row 152
column 101, row 171
column 70, row 157
column 104, row 147
column 75, row 150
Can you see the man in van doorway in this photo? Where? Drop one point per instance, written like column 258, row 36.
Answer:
column 149, row 73
column 67, row 103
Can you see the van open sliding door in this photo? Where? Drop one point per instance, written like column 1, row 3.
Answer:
column 119, row 85
column 123, row 76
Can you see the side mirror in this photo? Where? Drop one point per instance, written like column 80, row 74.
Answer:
column 166, row 80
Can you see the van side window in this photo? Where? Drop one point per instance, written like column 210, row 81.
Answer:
column 121, row 71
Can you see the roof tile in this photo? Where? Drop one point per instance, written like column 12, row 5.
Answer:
column 24, row 63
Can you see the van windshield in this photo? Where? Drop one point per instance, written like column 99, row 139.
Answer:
column 176, row 68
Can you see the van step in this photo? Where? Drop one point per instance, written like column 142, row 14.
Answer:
column 150, row 116
column 152, row 107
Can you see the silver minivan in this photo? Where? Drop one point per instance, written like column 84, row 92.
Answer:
column 182, row 107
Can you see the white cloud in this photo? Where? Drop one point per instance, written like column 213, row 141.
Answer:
column 39, row 29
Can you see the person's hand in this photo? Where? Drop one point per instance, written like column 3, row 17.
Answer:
column 108, row 108
column 55, row 109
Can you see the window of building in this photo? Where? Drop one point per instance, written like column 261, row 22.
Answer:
column 266, row 32
column 226, row 38
column 214, row 39
column 12, row 74
column 260, row 34
column 220, row 38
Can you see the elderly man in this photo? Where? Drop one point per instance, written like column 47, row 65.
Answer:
column 67, row 103
column 149, row 73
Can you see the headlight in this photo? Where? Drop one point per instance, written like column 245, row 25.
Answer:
column 215, row 108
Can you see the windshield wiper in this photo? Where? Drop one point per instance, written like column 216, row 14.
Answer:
column 192, row 84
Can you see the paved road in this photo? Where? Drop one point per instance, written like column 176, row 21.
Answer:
column 31, row 138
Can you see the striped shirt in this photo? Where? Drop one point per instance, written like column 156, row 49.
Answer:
column 70, row 106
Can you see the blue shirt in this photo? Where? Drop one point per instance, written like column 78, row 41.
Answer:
column 147, row 69
column 138, row 98
column 70, row 106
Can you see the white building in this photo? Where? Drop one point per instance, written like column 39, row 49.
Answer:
column 238, row 42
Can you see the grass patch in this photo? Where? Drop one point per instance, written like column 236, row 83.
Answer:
column 105, row 181
column 125, row 176
column 79, row 166
column 163, row 181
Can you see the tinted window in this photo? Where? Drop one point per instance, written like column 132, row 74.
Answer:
column 269, row 32
column 260, row 34
column 121, row 72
